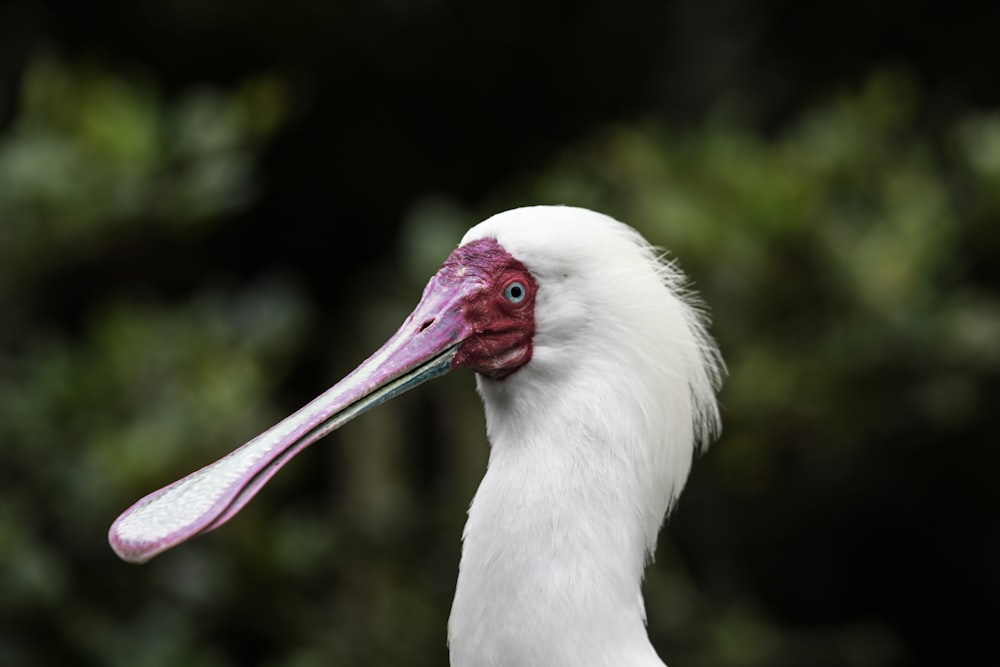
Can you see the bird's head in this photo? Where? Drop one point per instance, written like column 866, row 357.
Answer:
column 532, row 296
column 482, row 303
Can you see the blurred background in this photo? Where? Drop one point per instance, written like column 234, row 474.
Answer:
column 211, row 210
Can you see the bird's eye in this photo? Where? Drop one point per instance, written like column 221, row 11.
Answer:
column 515, row 292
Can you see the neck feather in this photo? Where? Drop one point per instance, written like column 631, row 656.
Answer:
column 559, row 532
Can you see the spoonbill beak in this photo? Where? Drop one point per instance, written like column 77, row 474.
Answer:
column 423, row 348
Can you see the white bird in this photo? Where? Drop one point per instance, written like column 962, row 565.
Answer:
column 599, row 382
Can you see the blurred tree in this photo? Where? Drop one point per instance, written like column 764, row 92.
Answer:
column 849, row 261
column 99, row 166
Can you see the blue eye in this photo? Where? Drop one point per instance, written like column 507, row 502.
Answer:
column 515, row 292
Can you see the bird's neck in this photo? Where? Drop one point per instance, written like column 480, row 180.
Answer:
column 554, row 550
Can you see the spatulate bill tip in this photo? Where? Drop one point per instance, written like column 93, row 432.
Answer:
column 133, row 543
column 137, row 554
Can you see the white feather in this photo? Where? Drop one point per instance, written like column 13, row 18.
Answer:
column 591, row 442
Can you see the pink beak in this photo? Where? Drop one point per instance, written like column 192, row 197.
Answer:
column 424, row 347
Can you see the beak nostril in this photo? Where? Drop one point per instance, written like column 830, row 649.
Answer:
column 426, row 324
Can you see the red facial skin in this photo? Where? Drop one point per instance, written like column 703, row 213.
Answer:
column 503, row 330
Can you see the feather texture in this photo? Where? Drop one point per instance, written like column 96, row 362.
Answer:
column 591, row 442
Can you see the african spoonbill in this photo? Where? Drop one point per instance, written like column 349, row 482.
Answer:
column 599, row 382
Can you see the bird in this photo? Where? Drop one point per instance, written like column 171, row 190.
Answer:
column 599, row 380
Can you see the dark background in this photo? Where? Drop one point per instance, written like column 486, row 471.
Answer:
column 209, row 211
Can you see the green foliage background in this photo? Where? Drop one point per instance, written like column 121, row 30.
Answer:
column 849, row 260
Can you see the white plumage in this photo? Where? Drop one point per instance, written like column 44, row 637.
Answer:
column 591, row 442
